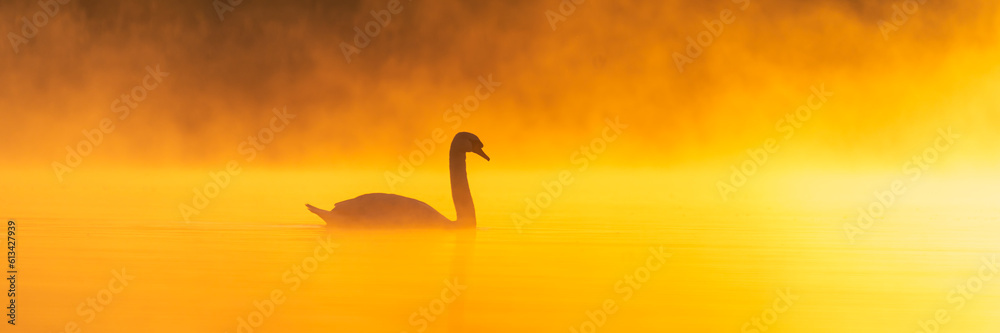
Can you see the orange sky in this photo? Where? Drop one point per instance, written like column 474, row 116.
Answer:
column 606, row 59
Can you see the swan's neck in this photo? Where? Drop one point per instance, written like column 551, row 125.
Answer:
column 465, row 211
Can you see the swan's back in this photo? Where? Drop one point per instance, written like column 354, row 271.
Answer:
column 386, row 210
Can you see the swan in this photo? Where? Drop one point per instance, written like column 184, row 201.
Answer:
column 390, row 210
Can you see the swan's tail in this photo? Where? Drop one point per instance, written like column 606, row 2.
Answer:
column 316, row 211
column 326, row 215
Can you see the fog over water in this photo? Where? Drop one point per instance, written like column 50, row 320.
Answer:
column 688, row 166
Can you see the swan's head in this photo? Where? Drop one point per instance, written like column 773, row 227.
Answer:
column 468, row 143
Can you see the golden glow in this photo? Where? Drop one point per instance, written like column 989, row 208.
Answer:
column 792, row 223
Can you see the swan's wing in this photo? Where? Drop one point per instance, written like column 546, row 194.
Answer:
column 387, row 209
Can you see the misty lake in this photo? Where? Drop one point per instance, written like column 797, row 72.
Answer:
column 577, row 270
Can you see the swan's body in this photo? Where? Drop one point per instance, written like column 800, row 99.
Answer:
column 381, row 210
column 390, row 210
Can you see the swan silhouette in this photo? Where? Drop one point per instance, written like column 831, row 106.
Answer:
column 390, row 210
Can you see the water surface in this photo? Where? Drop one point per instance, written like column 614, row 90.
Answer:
column 558, row 274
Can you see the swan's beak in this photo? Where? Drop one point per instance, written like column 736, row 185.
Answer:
column 480, row 152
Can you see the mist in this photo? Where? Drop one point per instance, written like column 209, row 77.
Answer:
column 556, row 87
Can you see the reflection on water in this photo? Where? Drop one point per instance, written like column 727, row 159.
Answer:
column 715, row 274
